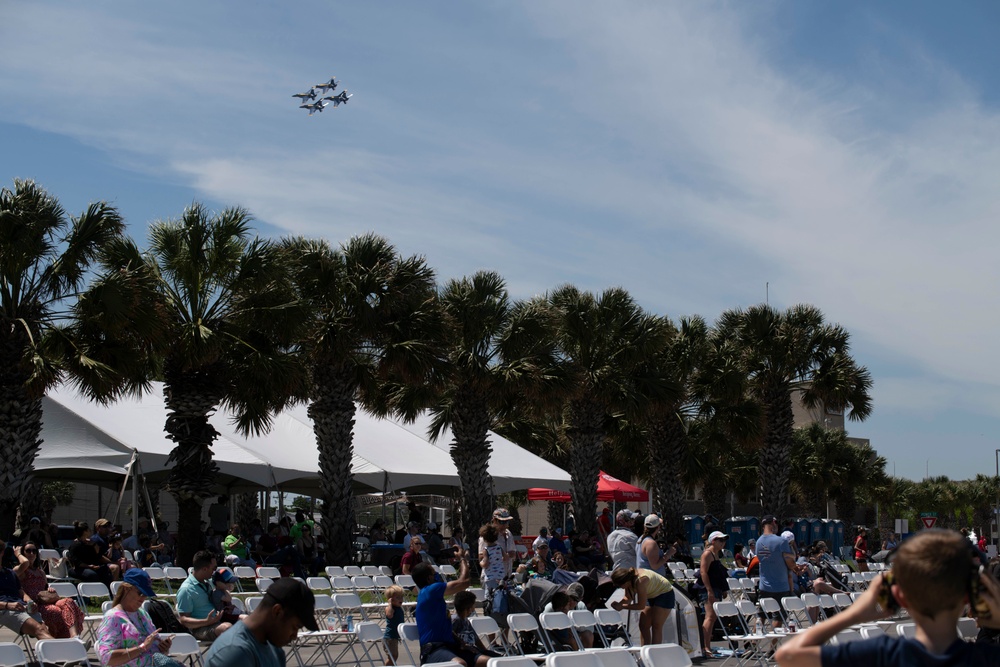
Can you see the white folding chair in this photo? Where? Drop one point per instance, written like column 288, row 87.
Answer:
column 240, row 606
column 318, row 584
column 62, row 651
column 353, row 571
column 370, row 637
column 386, row 570
column 772, row 610
column 448, row 570
column 735, row 588
column 371, row 570
column 342, row 584
column 614, row 657
column 263, row 583
column 252, row 602
column 757, row 646
column 408, row 634
column 845, row 637
column 185, row 648
column 572, row 659
column 95, row 590
column 512, row 661
column 843, row 600
column 11, row 655
column 156, row 573
column 908, row 630
column 968, row 629
column 268, row 572
column 489, row 632
column 871, row 631
column 827, row 605
column 611, row 618
column 334, row 571
column 524, row 624
column 665, row 655
column 66, row 589
column 174, row 574
column 555, row 621
column 795, row 610
column 583, row 620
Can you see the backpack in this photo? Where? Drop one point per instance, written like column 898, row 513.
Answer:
column 163, row 617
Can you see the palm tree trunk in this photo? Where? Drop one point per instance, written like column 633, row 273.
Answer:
column 20, row 438
column 190, row 398
column 586, row 436
column 716, row 494
column 471, row 453
column 246, row 510
column 775, row 455
column 666, row 444
column 332, row 412
column 554, row 514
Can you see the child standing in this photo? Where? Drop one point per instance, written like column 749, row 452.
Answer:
column 393, row 619
column 491, row 559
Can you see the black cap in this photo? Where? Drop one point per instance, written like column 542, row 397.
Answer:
column 768, row 518
column 296, row 597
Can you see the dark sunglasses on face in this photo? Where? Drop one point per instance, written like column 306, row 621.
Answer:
column 31, row 551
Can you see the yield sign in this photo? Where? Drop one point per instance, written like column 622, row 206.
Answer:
column 929, row 521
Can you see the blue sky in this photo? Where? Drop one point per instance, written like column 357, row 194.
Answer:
column 846, row 154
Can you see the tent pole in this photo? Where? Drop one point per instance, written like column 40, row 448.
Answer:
column 121, row 493
column 145, row 493
column 135, row 497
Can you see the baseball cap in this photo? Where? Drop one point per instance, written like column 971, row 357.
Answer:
column 100, row 523
column 35, row 519
column 500, row 514
column 788, row 536
column 575, row 590
column 140, row 580
column 652, row 521
column 431, row 525
column 768, row 518
column 624, row 517
column 296, row 597
column 717, row 535
column 224, row 575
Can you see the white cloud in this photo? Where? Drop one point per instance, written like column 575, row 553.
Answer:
column 653, row 146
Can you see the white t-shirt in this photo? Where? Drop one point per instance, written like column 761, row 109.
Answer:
column 505, row 540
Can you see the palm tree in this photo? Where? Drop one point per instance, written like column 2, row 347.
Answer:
column 498, row 354
column 983, row 491
column 859, row 469
column 817, row 466
column 229, row 315
column 605, row 344
column 712, row 393
column 51, row 331
column 786, row 352
column 371, row 322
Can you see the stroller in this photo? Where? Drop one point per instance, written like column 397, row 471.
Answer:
column 504, row 600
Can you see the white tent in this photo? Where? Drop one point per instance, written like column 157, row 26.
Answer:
column 513, row 468
column 89, row 442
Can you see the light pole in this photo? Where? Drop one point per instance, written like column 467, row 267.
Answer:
column 996, row 517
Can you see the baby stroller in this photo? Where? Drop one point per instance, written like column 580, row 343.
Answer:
column 504, row 600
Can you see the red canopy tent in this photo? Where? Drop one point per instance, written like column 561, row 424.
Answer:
column 608, row 489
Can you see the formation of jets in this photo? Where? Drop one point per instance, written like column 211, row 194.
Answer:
column 313, row 105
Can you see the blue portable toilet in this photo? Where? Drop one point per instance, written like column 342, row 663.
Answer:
column 800, row 528
column 838, row 536
column 694, row 527
column 815, row 530
column 829, row 533
column 753, row 528
column 738, row 529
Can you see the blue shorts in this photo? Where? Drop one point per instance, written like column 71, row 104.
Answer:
column 664, row 600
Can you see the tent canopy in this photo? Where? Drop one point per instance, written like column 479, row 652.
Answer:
column 609, row 489
column 88, row 442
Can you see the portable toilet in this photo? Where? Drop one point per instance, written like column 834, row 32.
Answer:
column 838, row 535
column 753, row 528
column 738, row 529
column 829, row 533
column 800, row 528
column 815, row 530
column 694, row 527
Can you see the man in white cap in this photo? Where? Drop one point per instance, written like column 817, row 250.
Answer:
column 621, row 541
column 505, row 539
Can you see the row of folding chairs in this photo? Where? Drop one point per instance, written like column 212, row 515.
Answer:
column 184, row 648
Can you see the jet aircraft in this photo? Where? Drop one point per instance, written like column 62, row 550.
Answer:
column 337, row 100
column 330, row 85
column 314, row 107
column 311, row 95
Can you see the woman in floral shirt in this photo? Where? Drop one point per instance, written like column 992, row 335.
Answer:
column 127, row 636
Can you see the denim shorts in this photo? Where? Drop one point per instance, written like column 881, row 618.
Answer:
column 664, row 600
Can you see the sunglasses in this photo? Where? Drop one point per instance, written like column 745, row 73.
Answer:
column 31, row 551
